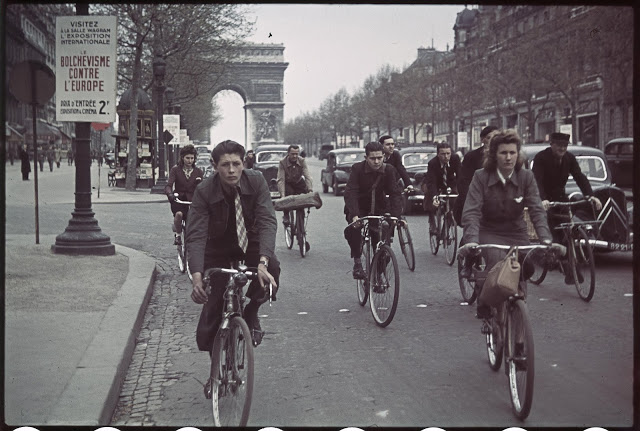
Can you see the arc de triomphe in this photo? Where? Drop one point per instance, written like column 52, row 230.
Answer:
column 257, row 75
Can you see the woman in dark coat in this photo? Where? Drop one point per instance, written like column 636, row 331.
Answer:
column 25, row 166
column 497, row 196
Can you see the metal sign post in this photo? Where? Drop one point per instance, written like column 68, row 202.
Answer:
column 34, row 83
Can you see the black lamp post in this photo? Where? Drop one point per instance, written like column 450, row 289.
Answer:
column 83, row 236
column 169, row 93
column 159, row 68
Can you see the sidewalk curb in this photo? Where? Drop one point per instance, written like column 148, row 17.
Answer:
column 93, row 202
column 91, row 396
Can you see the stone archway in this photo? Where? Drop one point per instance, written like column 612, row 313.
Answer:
column 257, row 75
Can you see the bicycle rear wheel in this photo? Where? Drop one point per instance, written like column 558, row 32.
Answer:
column 301, row 233
column 583, row 267
column 362, row 286
column 406, row 245
column 538, row 259
column 384, row 286
column 450, row 238
column 467, row 285
column 289, row 231
column 232, row 374
column 520, row 359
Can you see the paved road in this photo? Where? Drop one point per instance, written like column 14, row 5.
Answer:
column 325, row 362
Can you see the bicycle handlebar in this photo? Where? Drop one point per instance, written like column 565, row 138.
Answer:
column 250, row 273
column 445, row 196
column 385, row 217
column 568, row 204
column 178, row 200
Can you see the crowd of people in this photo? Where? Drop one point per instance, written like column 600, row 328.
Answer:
column 232, row 218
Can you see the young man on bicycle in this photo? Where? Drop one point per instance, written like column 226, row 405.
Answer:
column 393, row 158
column 369, row 182
column 442, row 172
column 183, row 179
column 551, row 168
column 293, row 177
column 231, row 210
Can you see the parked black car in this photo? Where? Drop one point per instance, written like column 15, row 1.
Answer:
column 267, row 158
column 338, row 168
column 619, row 154
column 110, row 159
column 415, row 160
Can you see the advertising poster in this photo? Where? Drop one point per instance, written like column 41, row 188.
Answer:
column 86, row 68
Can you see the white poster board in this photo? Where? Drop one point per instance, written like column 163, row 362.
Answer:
column 184, row 138
column 566, row 128
column 86, row 68
column 172, row 125
column 462, row 140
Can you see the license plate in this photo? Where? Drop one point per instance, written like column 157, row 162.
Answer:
column 275, row 195
column 620, row 247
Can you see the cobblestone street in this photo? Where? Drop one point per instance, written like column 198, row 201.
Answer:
column 166, row 333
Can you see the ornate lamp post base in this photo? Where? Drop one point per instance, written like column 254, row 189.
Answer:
column 83, row 236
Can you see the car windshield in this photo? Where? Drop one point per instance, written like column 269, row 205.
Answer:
column 416, row 159
column 349, row 158
column 271, row 156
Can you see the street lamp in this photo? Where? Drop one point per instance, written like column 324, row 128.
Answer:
column 159, row 66
column 169, row 93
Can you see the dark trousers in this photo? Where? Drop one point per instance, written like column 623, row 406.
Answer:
column 25, row 175
column 211, row 315
column 50, row 165
column 354, row 237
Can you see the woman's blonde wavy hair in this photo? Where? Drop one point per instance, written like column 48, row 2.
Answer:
column 497, row 137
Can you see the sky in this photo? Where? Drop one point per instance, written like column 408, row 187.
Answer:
column 333, row 46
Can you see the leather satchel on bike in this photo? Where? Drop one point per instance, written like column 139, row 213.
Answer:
column 294, row 202
column 502, row 281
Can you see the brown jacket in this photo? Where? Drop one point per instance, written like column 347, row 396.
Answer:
column 493, row 212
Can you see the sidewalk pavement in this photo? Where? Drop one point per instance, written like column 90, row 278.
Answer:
column 70, row 326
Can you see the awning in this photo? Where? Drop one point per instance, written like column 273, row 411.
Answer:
column 45, row 132
column 12, row 134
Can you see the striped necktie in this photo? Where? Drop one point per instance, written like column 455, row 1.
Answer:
column 241, row 229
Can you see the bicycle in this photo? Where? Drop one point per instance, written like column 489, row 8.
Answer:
column 232, row 357
column 183, row 261
column 297, row 228
column 509, row 321
column 580, row 258
column 446, row 228
column 380, row 271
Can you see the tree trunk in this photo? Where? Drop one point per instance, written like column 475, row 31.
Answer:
column 132, row 156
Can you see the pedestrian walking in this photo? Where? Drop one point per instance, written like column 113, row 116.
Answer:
column 51, row 157
column 41, row 155
column 70, row 157
column 58, row 156
column 25, row 166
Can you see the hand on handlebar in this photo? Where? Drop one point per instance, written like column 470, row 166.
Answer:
column 596, row 202
column 545, row 204
column 559, row 249
column 436, row 201
column 466, row 249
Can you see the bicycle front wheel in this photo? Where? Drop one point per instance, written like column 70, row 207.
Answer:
column 467, row 285
column 406, row 245
column 450, row 238
column 494, row 340
column 434, row 240
column 232, row 374
column 538, row 259
column 182, row 252
column 520, row 359
column 583, row 267
column 301, row 233
column 384, row 286
column 362, row 285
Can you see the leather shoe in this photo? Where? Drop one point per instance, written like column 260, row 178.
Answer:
column 177, row 240
column 568, row 277
column 358, row 272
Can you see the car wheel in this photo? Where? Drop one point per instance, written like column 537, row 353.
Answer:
column 325, row 186
column 407, row 206
column 336, row 189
